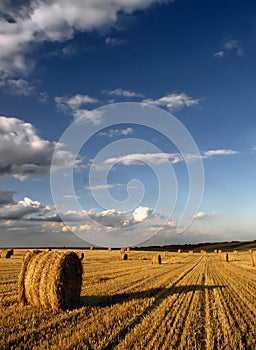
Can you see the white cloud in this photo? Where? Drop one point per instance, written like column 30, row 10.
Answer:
column 149, row 158
column 219, row 54
column 233, row 45
column 201, row 215
column 55, row 20
column 73, row 106
column 230, row 47
column 114, row 41
column 116, row 132
column 103, row 187
column 173, row 101
column 220, row 152
column 23, row 152
column 141, row 213
column 74, row 102
column 253, row 149
column 123, row 93
column 17, row 86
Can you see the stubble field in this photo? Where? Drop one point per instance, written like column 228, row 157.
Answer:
column 187, row 302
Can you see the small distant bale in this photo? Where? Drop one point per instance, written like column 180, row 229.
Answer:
column 224, row 257
column 122, row 250
column 50, row 280
column 191, row 252
column 109, row 249
column 128, row 249
column 156, row 259
column 216, row 251
column 220, row 251
column 250, row 251
column 123, row 256
column 6, row 253
column 253, row 258
column 203, row 252
column 91, row 247
column 235, row 252
column 179, row 251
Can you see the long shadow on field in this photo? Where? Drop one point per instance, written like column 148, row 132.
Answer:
column 107, row 300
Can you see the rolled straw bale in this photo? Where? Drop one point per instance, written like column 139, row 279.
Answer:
column 109, row 249
column 250, row 251
column 179, row 251
column 122, row 250
column 91, row 247
column 6, row 253
column 128, row 249
column 253, row 258
column 224, row 257
column 50, row 279
column 191, row 252
column 235, row 252
column 220, row 251
column 156, row 259
column 123, row 256
column 216, row 251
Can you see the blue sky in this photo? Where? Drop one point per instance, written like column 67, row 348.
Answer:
column 60, row 60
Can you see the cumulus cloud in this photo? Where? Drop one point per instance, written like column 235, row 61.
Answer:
column 173, row 101
column 22, row 209
column 55, row 20
column 122, row 93
column 23, row 152
column 75, row 105
column 116, row 132
column 141, row 213
column 220, row 152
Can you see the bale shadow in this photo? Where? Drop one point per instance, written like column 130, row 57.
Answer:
column 120, row 298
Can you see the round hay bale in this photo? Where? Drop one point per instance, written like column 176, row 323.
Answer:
column 191, row 252
column 91, row 247
column 216, row 251
column 50, row 279
column 224, row 257
column 156, row 259
column 220, row 251
column 235, row 252
column 6, row 253
column 109, row 249
column 123, row 256
column 122, row 250
column 128, row 249
column 179, row 251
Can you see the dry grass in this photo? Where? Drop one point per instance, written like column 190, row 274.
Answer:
column 50, row 279
column 190, row 302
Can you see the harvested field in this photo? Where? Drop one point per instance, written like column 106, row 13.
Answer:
column 188, row 302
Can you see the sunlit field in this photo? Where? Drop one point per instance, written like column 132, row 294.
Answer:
column 187, row 302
